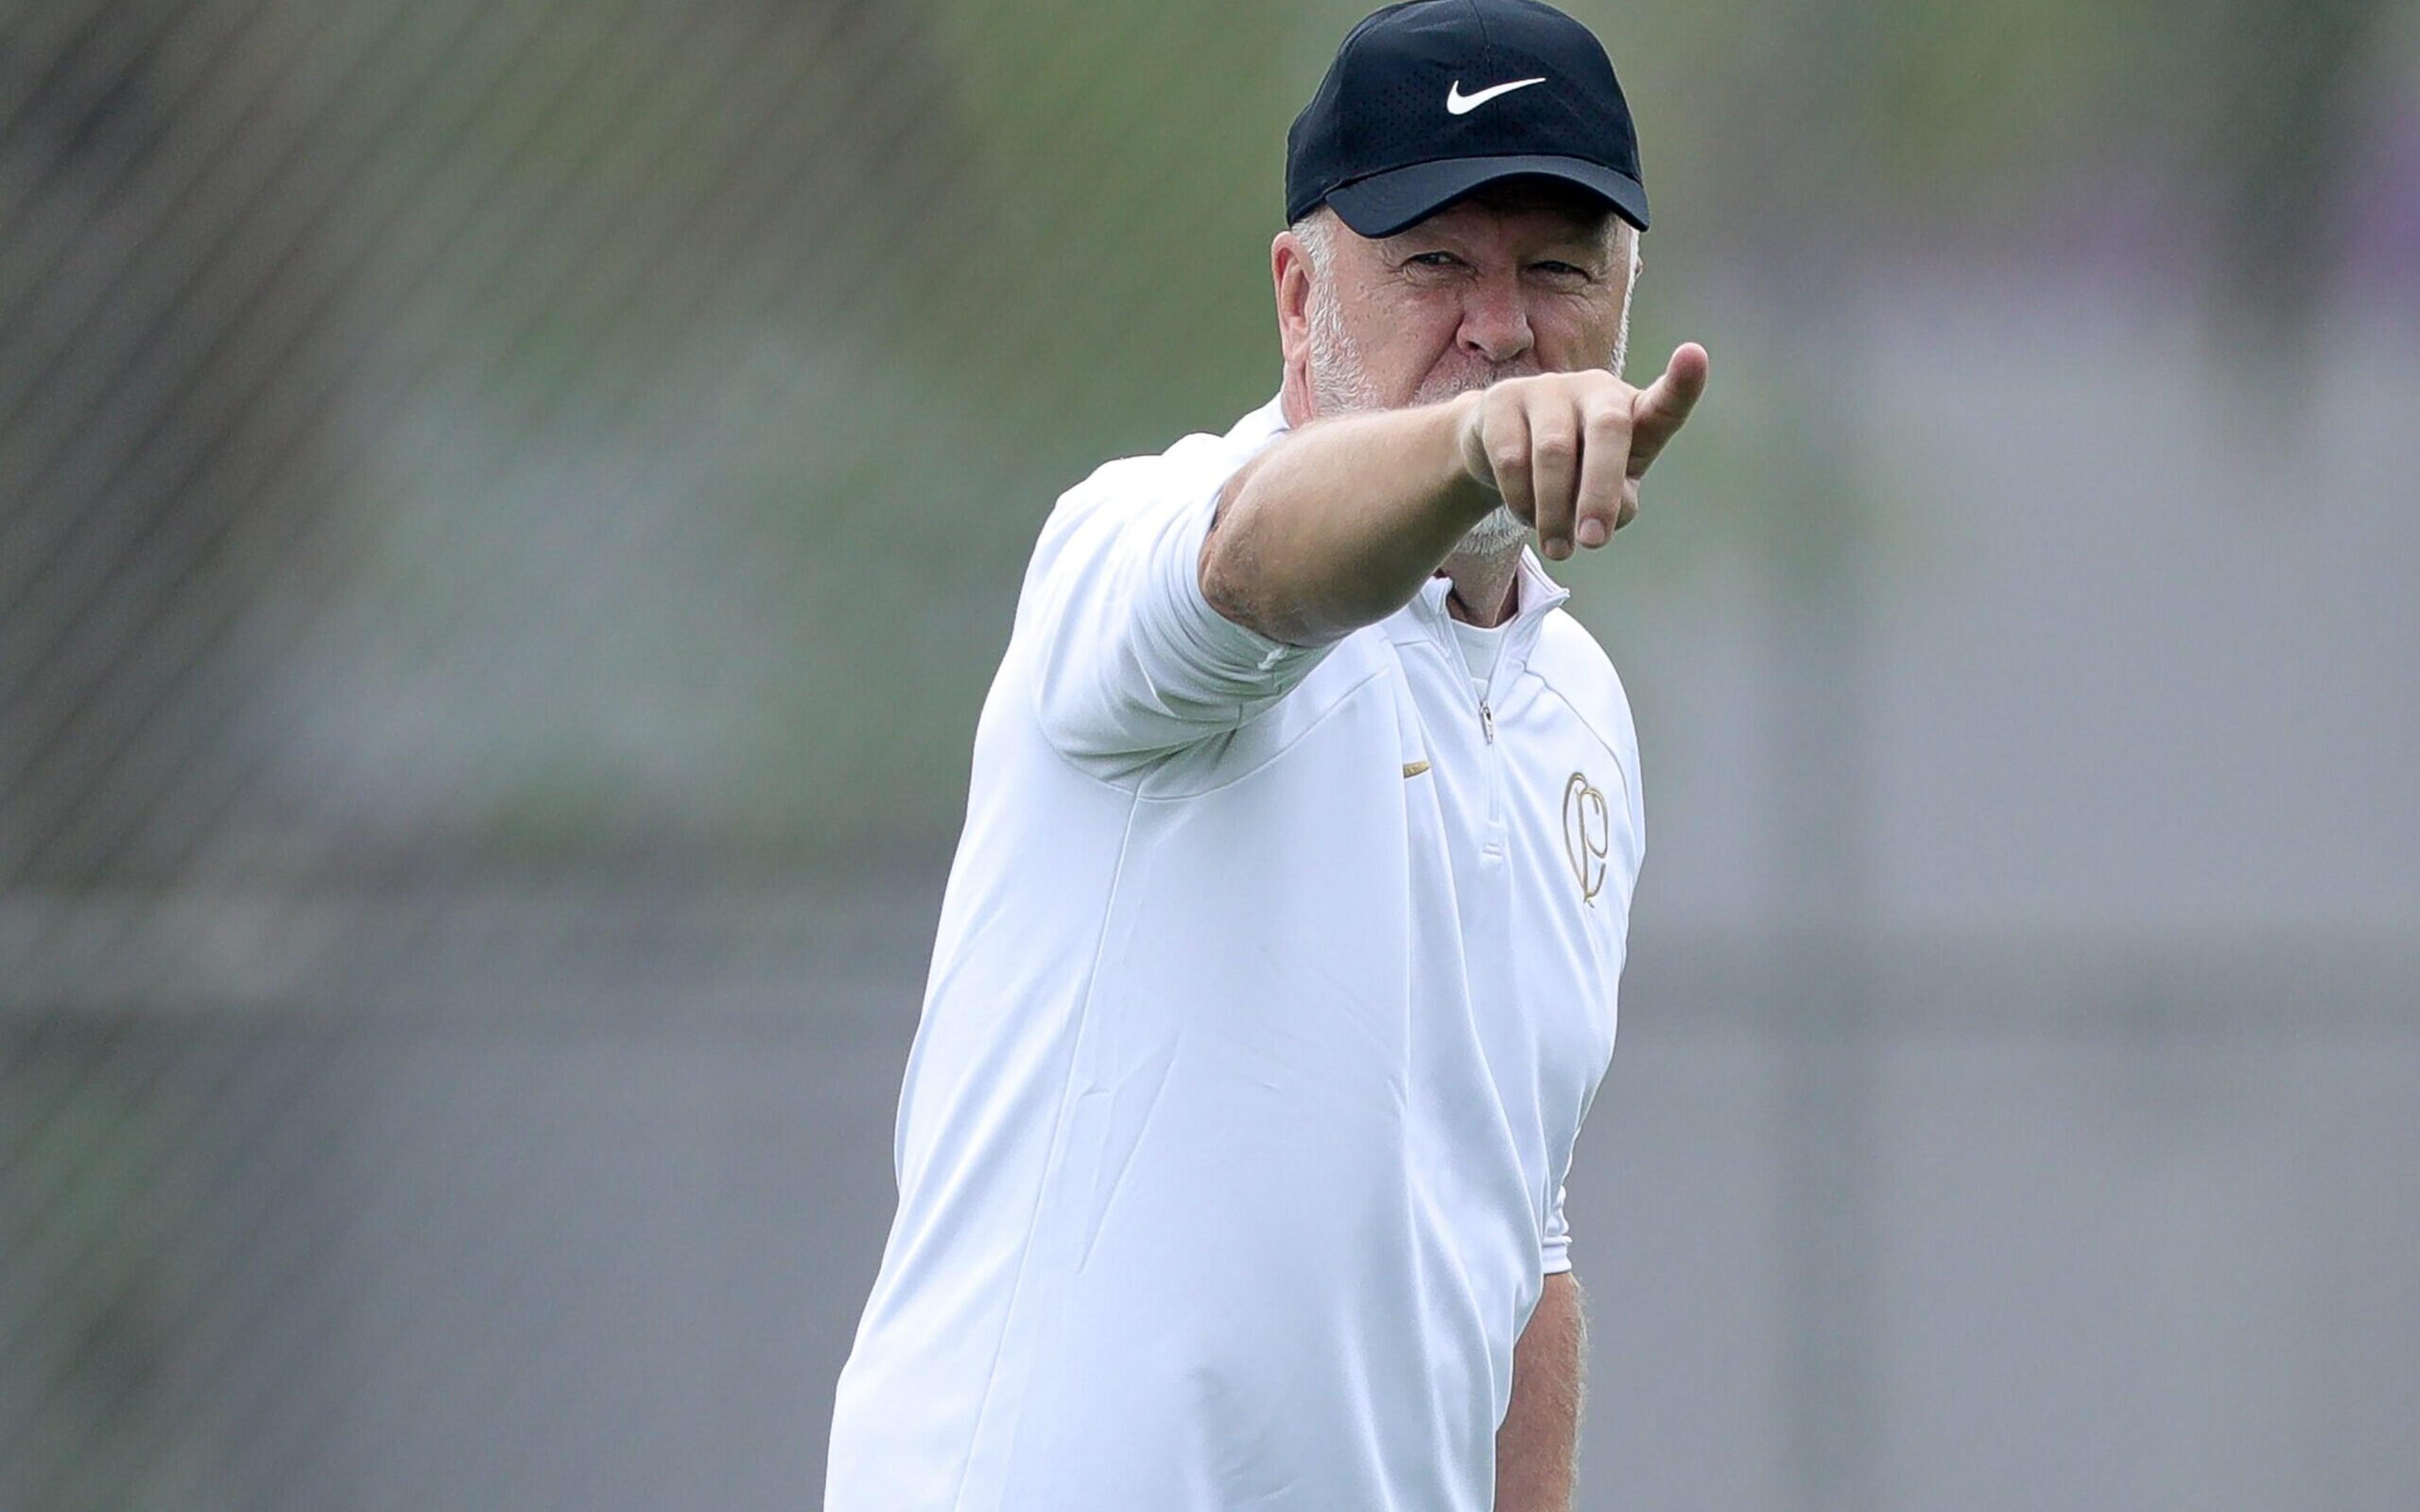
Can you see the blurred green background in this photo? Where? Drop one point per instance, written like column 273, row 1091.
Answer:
column 508, row 510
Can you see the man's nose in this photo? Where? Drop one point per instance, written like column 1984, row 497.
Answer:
column 1495, row 321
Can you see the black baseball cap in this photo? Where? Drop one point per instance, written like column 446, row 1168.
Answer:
column 1431, row 100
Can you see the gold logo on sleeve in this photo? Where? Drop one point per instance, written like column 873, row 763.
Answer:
column 1588, row 835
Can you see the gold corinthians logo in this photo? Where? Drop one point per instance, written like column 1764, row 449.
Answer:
column 1588, row 835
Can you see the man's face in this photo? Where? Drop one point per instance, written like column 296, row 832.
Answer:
column 1503, row 285
column 1498, row 285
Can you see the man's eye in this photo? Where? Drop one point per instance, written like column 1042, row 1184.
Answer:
column 1556, row 269
column 1435, row 259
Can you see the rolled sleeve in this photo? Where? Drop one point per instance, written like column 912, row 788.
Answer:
column 1130, row 658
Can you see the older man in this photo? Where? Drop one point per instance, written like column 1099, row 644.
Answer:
column 1276, row 968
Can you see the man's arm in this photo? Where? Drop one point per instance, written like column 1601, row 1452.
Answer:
column 1537, row 1447
column 1338, row 524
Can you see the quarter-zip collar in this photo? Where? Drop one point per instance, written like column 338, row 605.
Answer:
column 1539, row 596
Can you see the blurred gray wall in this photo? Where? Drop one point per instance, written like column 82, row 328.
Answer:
column 506, row 511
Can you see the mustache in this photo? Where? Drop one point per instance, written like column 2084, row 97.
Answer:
column 1438, row 386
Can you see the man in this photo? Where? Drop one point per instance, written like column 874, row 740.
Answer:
column 1276, row 968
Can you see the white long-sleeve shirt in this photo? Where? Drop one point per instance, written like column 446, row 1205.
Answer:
column 1271, row 989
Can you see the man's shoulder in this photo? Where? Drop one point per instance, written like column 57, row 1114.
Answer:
column 1200, row 460
column 1571, row 662
column 1116, row 518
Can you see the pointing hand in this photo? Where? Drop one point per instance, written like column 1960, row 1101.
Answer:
column 1566, row 449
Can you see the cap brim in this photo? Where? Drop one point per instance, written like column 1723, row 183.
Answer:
column 1386, row 203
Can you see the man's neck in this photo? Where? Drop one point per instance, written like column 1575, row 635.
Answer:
column 1486, row 589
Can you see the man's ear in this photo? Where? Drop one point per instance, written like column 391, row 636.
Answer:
column 1290, row 273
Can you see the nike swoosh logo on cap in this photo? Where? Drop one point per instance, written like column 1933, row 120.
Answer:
column 1458, row 103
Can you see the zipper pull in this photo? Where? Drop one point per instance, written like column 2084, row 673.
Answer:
column 1487, row 721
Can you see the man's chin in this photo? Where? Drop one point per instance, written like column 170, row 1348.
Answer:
column 1499, row 534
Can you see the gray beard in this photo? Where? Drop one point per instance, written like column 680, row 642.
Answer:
column 1499, row 534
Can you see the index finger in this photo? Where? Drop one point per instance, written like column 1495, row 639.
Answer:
column 1663, row 407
